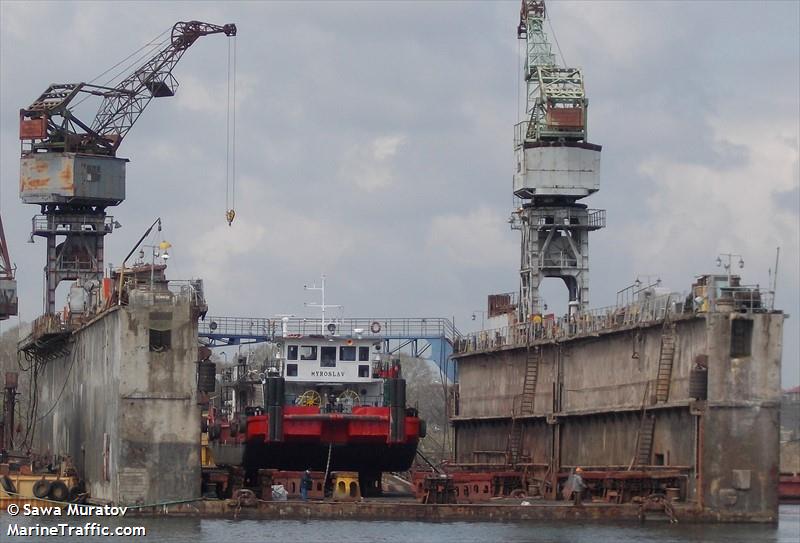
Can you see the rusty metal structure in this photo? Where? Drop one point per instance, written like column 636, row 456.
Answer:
column 69, row 166
column 7, row 423
column 556, row 167
column 8, row 285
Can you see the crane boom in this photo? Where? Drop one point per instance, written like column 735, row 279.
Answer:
column 50, row 125
column 69, row 167
column 556, row 101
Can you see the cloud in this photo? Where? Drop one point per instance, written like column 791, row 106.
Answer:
column 706, row 209
column 368, row 166
column 477, row 239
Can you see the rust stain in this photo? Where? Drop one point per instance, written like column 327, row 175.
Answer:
column 28, row 183
column 65, row 175
column 40, row 166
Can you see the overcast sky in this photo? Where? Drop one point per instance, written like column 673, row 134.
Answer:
column 374, row 144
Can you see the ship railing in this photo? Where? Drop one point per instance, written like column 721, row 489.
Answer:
column 176, row 290
column 591, row 322
column 743, row 298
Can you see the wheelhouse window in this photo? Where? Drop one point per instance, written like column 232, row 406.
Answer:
column 291, row 370
column 363, row 354
column 291, row 352
column 308, row 352
column 328, row 357
column 347, row 354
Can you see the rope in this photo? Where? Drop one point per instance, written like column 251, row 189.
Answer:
column 553, row 32
column 328, row 463
column 230, row 136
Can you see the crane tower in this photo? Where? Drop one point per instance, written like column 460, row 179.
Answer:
column 555, row 167
column 69, row 167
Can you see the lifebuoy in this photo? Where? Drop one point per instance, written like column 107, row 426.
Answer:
column 375, row 327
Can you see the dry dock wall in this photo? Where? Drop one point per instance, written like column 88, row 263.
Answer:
column 125, row 413
column 593, row 389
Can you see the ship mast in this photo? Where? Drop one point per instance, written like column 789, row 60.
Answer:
column 323, row 306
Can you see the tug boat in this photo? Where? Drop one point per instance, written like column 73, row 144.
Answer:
column 330, row 407
column 329, row 402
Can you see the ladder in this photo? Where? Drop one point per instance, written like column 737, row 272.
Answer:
column 531, row 378
column 644, row 445
column 665, row 360
column 514, row 441
column 527, row 399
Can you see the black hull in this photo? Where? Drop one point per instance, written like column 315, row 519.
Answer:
column 351, row 457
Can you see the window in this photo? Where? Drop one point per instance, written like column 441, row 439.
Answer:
column 347, row 354
column 308, row 352
column 291, row 352
column 160, row 340
column 328, row 357
column 741, row 337
column 291, row 370
column 363, row 371
column 363, row 354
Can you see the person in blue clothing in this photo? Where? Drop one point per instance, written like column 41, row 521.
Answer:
column 305, row 485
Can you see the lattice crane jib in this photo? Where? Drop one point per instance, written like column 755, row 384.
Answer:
column 50, row 123
column 555, row 167
column 556, row 100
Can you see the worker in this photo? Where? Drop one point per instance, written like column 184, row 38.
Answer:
column 578, row 486
column 305, row 484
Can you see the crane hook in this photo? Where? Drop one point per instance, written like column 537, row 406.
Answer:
column 229, row 216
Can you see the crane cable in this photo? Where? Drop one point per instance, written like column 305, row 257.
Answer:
column 230, row 137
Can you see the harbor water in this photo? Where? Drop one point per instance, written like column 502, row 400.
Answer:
column 195, row 530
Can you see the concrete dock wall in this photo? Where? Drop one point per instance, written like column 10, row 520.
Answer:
column 729, row 443
column 127, row 414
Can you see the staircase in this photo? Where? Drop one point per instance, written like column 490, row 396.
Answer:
column 644, row 446
column 531, row 378
column 527, row 399
column 665, row 360
column 514, row 441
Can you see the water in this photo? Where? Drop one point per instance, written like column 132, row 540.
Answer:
column 185, row 530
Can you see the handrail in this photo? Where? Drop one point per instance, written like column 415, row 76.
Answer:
column 646, row 311
column 433, row 327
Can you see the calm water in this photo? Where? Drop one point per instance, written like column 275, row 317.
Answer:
column 245, row 531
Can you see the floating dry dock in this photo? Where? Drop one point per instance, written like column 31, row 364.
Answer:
column 689, row 384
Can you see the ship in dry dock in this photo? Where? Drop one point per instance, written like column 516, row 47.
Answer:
column 669, row 399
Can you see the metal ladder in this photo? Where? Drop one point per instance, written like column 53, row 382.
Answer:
column 644, row 445
column 665, row 359
column 527, row 399
column 647, row 425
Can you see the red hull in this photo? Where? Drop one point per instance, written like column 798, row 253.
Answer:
column 364, row 425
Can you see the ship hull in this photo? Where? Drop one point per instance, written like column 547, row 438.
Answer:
column 359, row 457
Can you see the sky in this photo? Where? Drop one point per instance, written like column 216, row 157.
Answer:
column 374, row 145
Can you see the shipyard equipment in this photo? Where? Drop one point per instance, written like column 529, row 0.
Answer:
column 8, row 286
column 555, row 167
column 69, row 164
